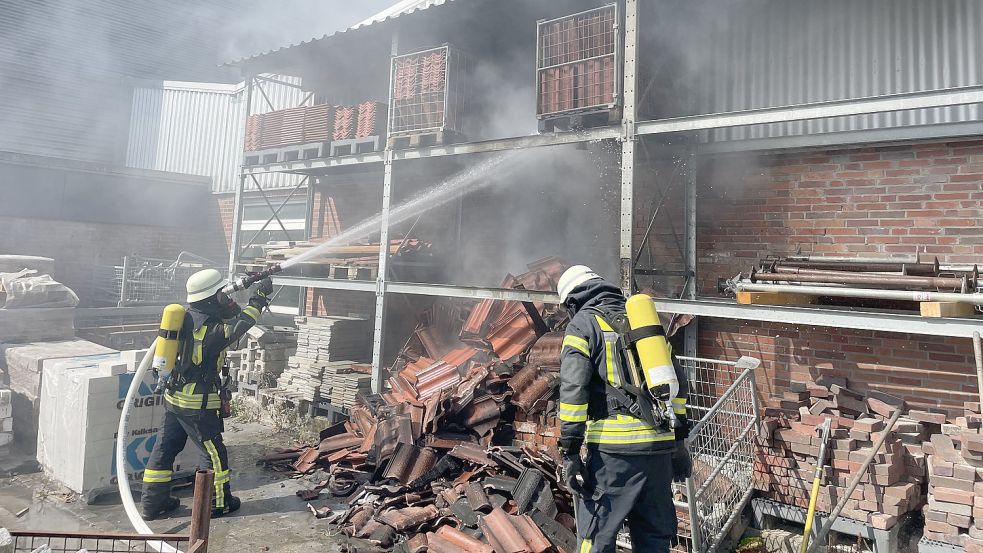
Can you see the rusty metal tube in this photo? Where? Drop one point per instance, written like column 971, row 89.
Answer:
column 900, row 295
column 917, row 269
column 794, row 274
column 201, row 508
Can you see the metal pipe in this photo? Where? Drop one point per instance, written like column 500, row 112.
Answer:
column 839, row 277
column 201, row 508
column 835, row 513
column 899, row 295
column 978, row 347
column 848, row 259
column 917, row 269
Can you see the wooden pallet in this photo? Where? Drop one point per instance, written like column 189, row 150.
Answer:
column 354, row 146
column 774, row 298
column 352, row 272
column 941, row 309
column 583, row 120
column 423, row 140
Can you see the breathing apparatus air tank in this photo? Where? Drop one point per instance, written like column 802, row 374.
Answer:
column 168, row 340
column 651, row 351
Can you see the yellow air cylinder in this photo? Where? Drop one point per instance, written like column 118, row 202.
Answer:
column 653, row 350
column 168, row 339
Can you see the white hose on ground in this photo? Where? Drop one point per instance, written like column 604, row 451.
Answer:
column 124, row 484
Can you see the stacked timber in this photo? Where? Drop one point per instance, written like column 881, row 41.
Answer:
column 787, row 455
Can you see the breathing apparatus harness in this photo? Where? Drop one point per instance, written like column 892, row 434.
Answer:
column 649, row 382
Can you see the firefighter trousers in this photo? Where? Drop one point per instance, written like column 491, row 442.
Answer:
column 205, row 431
column 632, row 488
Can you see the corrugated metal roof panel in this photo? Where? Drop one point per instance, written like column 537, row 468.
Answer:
column 777, row 53
column 197, row 129
column 381, row 17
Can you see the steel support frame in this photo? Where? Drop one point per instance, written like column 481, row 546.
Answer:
column 238, row 207
column 628, row 144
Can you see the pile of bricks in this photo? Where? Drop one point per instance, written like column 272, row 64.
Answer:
column 321, row 341
column 6, row 423
column 954, row 513
column 787, row 454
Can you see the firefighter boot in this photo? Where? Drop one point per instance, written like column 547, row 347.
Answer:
column 153, row 512
column 232, row 505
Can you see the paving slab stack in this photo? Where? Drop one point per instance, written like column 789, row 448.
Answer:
column 6, row 423
column 787, row 452
column 321, row 341
column 954, row 512
column 343, row 381
column 264, row 357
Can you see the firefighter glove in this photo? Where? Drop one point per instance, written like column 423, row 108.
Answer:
column 682, row 464
column 264, row 288
column 574, row 474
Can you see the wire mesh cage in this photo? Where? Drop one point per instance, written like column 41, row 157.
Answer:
column 149, row 281
column 577, row 62
column 64, row 542
column 721, row 444
column 430, row 92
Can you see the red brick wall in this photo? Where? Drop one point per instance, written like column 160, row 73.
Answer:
column 928, row 372
column 873, row 201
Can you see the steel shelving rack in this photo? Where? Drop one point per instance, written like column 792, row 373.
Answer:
column 629, row 134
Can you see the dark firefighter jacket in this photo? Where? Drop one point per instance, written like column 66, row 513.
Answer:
column 196, row 388
column 590, row 361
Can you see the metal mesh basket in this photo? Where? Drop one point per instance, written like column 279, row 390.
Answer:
column 149, row 281
column 721, row 445
column 429, row 92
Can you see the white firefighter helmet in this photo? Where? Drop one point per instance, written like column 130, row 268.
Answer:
column 572, row 278
column 204, row 284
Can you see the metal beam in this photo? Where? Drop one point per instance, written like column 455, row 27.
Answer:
column 380, row 291
column 822, row 317
column 880, row 104
column 515, row 143
column 315, row 166
column 238, row 207
column 468, row 292
column 628, row 145
column 326, row 283
column 692, row 332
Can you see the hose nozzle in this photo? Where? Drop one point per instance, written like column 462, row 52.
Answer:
column 245, row 282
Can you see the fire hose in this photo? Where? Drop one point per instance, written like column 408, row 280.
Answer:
column 126, row 494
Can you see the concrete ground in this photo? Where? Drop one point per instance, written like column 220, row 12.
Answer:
column 272, row 517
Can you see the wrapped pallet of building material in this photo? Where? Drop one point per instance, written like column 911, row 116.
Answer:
column 81, row 401
column 25, row 365
column 26, row 288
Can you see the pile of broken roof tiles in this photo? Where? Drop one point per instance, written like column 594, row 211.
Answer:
column 459, row 453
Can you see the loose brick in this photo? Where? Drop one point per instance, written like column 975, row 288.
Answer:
column 926, row 417
column 940, row 467
column 964, row 472
column 949, row 508
column 973, row 442
column 943, row 528
column 879, row 407
column 953, row 483
column 959, row 521
column 869, row 425
column 948, row 495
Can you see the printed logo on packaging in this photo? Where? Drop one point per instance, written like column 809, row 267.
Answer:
column 145, row 398
column 140, row 444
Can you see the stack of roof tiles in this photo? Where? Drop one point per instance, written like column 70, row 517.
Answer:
column 954, row 512
column 288, row 127
column 432, row 463
column 371, row 116
column 252, row 133
column 321, row 341
column 786, row 458
column 344, row 123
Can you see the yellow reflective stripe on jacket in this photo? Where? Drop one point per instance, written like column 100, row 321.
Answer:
column 679, row 405
column 585, row 546
column 250, row 311
column 186, row 398
column 222, row 477
column 199, row 335
column 571, row 412
column 610, row 343
column 152, row 476
column 623, row 429
column 577, row 343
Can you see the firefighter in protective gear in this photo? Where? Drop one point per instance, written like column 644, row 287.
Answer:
column 629, row 465
column 192, row 394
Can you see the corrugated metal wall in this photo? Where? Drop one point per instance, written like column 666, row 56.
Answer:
column 197, row 129
column 780, row 52
column 64, row 67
